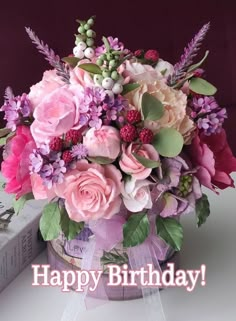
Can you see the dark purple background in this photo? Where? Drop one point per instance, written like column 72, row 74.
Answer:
column 163, row 25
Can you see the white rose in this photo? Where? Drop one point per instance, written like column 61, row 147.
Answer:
column 136, row 195
column 164, row 67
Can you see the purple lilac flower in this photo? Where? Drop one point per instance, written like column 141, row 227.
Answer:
column 207, row 114
column 48, row 165
column 113, row 107
column 16, row 109
column 115, row 44
column 79, row 151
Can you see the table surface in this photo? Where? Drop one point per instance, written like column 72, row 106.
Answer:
column 213, row 244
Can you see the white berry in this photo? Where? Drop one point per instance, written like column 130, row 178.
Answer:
column 82, row 45
column 78, row 53
column 107, row 83
column 117, row 89
column 98, row 79
column 89, row 53
column 109, row 93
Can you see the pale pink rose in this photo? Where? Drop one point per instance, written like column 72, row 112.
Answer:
column 80, row 76
column 48, row 84
column 131, row 166
column 138, row 72
column 39, row 190
column 91, row 191
column 54, row 116
column 175, row 103
column 15, row 167
column 136, row 195
column 103, row 142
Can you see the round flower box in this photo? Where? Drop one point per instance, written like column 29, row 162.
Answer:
column 67, row 255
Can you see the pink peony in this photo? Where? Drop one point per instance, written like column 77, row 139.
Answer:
column 54, row 116
column 104, row 142
column 131, row 166
column 50, row 82
column 136, row 195
column 15, row 167
column 214, row 160
column 91, row 191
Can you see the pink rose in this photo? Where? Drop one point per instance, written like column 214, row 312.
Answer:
column 91, row 191
column 214, row 160
column 48, row 84
column 103, row 142
column 80, row 76
column 40, row 191
column 54, row 116
column 136, row 195
column 131, row 166
column 15, row 167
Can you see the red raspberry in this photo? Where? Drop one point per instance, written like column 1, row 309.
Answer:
column 73, row 136
column 133, row 116
column 128, row 133
column 152, row 55
column 139, row 53
column 67, row 156
column 56, row 144
column 146, row 136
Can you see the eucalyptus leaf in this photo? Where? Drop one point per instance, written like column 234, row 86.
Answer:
column 152, row 108
column 201, row 86
column 50, row 221
column 19, row 204
column 197, row 65
column 136, row 230
column 202, row 209
column 92, row 68
column 72, row 61
column 100, row 160
column 168, row 142
column 170, row 231
column 70, row 228
column 129, row 87
column 146, row 162
column 3, row 140
column 4, row 132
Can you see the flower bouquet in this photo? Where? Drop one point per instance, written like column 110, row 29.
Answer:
column 119, row 143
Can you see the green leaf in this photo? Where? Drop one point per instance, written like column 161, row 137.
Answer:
column 146, row 162
column 170, row 231
column 201, row 86
column 100, row 160
column 202, row 210
column 136, row 230
column 72, row 61
column 4, row 132
column 168, row 142
column 50, row 221
column 129, row 87
column 106, row 43
column 69, row 228
column 152, row 108
column 19, row 204
column 3, row 140
column 197, row 65
column 92, row 68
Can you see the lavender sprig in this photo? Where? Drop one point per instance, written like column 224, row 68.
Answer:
column 8, row 94
column 187, row 57
column 50, row 56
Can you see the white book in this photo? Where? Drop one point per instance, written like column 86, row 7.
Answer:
column 20, row 243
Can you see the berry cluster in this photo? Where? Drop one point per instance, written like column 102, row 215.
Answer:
column 150, row 57
column 130, row 132
column 85, row 40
